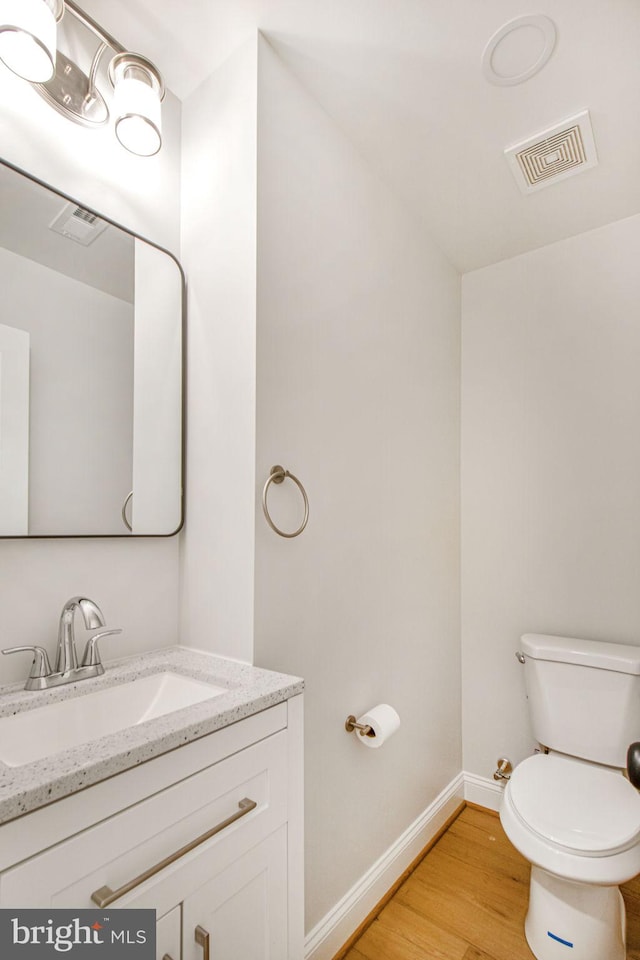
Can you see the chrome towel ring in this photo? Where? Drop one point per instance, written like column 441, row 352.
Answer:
column 125, row 519
column 277, row 475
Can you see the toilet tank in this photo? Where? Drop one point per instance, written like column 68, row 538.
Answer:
column 584, row 696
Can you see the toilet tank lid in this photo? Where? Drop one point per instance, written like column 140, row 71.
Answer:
column 590, row 653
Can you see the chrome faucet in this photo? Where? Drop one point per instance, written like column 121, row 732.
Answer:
column 42, row 677
column 67, row 658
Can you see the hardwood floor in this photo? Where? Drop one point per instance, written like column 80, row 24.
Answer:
column 466, row 900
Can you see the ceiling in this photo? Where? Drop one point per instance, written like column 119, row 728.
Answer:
column 403, row 79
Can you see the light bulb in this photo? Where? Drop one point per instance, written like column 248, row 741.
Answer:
column 28, row 37
column 136, row 104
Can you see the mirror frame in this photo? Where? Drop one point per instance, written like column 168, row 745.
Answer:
column 183, row 373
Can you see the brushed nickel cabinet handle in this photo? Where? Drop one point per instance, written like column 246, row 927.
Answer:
column 202, row 939
column 105, row 896
column 166, row 957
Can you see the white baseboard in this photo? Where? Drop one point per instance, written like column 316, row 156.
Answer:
column 329, row 935
column 481, row 790
column 333, row 931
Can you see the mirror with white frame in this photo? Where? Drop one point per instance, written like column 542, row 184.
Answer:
column 91, row 372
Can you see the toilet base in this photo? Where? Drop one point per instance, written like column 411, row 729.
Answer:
column 577, row 921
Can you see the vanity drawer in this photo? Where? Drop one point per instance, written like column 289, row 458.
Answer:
column 121, row 848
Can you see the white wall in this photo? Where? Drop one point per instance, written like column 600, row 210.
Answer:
column 358, row 395
column 14, row 430
column 157, row 392
column 550, row 468
column 81, row 386
column 135, row 582
column 219, row 256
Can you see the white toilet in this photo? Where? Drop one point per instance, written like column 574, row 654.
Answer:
column 571, row 811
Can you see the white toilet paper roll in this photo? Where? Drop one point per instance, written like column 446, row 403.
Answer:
column 383, row 720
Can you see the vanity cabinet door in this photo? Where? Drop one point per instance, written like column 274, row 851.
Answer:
column 241, row 912
column 169, row 935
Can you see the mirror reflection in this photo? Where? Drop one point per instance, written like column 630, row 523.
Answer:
column 91, row 321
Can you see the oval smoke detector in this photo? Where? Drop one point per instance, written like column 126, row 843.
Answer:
column 518, row 50
column 553, row 155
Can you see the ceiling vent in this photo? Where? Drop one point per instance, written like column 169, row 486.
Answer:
column 553, row 155
column 78, row 224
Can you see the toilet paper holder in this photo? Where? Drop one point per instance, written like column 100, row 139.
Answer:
column 352, row 724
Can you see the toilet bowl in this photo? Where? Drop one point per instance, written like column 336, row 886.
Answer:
column 576, row 819
column 578, row 823
column 569, row 809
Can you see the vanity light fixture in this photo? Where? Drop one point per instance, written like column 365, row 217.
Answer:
column 138, row 91
column 132, row 94
column 28, row 37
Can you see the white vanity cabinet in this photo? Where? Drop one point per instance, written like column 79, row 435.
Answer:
column 243, row 909
column 239, row 911
column 169, row 935
column 209, row 835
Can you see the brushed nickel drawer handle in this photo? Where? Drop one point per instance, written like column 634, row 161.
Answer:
column 105, row 896
column 202, row 939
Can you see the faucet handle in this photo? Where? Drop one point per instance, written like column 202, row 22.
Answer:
column 91, row 656
column 40, row 666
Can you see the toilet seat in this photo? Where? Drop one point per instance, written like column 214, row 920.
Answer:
column 589, row 810
column 549, row 818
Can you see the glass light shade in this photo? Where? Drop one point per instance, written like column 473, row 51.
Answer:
column 28, row 38
column 137, row 111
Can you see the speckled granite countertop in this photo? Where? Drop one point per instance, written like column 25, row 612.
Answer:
column 33, row 785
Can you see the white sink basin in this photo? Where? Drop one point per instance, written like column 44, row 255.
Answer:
column 38, row 733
